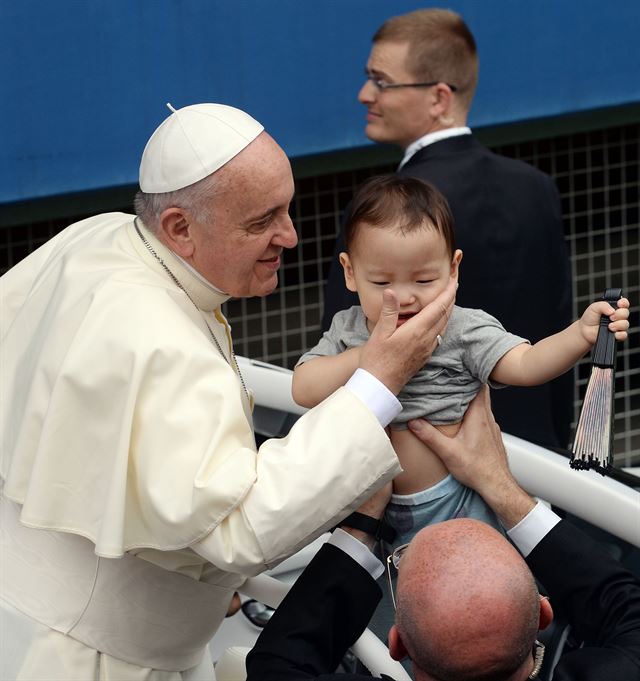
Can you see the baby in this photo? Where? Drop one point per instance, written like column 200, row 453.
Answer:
column 399, row 236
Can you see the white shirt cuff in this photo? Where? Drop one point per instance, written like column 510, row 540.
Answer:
column 358, row 551
column 380, row 400
column 530, row 531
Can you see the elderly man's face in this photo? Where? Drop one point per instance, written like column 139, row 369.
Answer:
column 240, row 250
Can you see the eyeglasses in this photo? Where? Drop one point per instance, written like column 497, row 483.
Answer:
column 381, row 84
column 394, row 559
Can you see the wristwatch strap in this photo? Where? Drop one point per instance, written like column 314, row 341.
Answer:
column 376, row 528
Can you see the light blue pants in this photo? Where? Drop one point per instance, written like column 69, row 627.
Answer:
column 448, row 499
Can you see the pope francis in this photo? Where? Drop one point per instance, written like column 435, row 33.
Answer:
column 134, row 501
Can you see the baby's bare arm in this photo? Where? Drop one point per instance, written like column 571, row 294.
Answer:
column 318, row 378
column 552, row 356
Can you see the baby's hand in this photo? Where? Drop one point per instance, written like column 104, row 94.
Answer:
column 619, row 317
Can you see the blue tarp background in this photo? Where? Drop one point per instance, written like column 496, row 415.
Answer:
column 84, row 82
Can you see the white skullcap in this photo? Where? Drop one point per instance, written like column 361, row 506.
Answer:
column 192, row 143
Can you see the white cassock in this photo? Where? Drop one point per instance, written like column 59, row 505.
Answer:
column 126, row 435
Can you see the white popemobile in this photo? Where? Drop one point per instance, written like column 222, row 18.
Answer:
column 608, row 504
column 603, row 502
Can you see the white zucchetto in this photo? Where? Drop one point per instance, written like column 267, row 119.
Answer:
column 192, row 143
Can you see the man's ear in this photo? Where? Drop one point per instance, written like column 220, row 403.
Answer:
column 175, row 231
column 349, row 279
column 455, row 262
column 396, row 646
column 546, row 613
column 446, row 108
column 442, row 103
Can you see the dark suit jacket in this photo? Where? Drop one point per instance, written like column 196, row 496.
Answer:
column 599, row 598
column 330, row 604
column 325, row 612
column 515, row 266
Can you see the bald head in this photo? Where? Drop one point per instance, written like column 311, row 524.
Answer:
column 466, row 602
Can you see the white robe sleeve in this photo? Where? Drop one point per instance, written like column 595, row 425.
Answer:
column 335, row 457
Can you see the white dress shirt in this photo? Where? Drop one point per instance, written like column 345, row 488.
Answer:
column 380, row 400
column 526, row 535
column 430, row 138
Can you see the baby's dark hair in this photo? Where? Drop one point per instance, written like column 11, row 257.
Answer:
column 407, row 203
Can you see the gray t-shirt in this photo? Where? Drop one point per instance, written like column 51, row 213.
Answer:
column 472, row 345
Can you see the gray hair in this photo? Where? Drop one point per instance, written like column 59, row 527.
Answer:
column 197, row 198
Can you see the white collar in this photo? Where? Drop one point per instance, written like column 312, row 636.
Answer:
column 430, row 138
column 197, row 274
column 159, row 257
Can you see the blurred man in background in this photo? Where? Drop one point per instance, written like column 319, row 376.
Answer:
column 421, row 78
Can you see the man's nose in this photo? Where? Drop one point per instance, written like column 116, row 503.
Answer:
column 367, row 92
column 286, row 236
